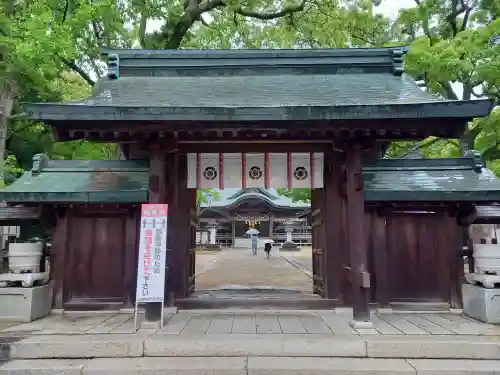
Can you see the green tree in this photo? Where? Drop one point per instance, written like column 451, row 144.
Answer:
column 49, row 51
column 452, row 45
column 204, row 196
column 296, row 195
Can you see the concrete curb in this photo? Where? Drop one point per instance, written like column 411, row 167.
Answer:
column 434, row 347
column 243, row 345
column 254, row 345
column 249, row 366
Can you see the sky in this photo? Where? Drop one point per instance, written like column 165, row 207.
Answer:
column 390, row 8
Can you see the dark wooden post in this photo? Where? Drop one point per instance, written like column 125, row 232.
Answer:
column 358, row 271
column 157, row 194
column 333, row 231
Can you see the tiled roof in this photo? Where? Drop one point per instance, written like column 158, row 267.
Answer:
column 248, row 85
column 81, row 181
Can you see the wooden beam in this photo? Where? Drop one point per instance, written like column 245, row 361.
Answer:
column 237, row 147
column 120, row 131
column 157, row 194
column 358, row 259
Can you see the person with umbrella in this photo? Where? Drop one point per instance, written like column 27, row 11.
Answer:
column 253, row 233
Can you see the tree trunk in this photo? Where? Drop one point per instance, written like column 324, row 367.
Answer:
column 5, row 108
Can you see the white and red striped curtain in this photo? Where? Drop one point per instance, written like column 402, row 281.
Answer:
column 252, row 170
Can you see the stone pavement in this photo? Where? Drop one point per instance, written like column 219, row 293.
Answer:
column 233, row 269
column 252, row 342
column 260, row 322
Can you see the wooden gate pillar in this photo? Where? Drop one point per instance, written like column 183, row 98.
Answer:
column 157, row 194
column 333, row 205
column 357, row 271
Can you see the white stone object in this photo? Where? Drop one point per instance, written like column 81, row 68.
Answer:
column 487, row 258
column 486, row 281
column 27, row 279
column 213, row 233
column 25, row 257
column 289, row 235
column 481, row 303
column 25, row 304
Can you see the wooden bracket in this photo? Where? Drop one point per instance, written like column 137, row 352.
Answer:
column 358, row 278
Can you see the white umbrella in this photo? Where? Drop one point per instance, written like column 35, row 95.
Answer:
column 252, row 231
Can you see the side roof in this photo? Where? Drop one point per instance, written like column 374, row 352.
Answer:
column 80, row 181
column 123, row 181
column 256, row 85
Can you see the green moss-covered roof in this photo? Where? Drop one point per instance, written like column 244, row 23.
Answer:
column 81, row 181
column 122, row 181
column 430, row 180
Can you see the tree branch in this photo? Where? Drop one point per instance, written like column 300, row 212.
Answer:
column 193, row 11
column 448, row 90
column 465, row 21
column 142, row 25
column 419, row 146
column 270, row 16
column 71, row 64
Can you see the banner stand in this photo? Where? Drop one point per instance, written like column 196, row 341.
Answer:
column 136, row 314
column 152, row 259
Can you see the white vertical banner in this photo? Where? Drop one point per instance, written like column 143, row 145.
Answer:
column 152, row 257
column 301, row 170
column 318, row 170
column 192, row 170
column 255, row 170
column 232, row 171
column 209, row 170
column 278, row 169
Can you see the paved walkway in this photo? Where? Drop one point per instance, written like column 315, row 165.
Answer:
column 287, row 322
column 238, row 269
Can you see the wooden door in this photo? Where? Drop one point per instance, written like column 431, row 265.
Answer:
column 318, row 241
column 97, row 270
column 419, row 259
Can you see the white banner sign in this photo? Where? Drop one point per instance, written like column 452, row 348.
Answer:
column 254, row 170
column 152, row 253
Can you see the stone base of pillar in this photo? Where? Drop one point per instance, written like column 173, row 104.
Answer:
column 358, row 324
column 289, row 246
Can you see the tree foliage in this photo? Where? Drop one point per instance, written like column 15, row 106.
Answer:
column 206, row 196
column 452, row 53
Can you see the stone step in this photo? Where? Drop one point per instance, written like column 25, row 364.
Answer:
column 249, row 366
column 146, row 344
